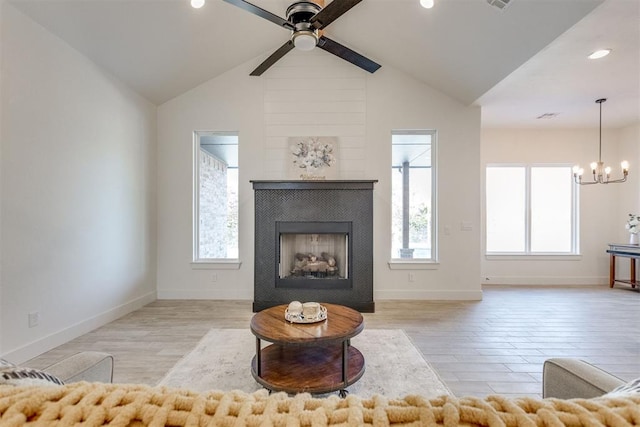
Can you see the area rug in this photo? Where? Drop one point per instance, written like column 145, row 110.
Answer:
column 394, row 366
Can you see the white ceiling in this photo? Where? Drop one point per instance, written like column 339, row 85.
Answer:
column 517, row 64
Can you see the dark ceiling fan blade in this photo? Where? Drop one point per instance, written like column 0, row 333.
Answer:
column 347, row 54
column 275, row 56
column 332, row 12
column 262, row 13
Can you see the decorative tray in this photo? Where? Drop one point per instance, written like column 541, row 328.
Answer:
column 300, row 318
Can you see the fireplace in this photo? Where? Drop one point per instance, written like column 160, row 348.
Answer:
column 313, row 254
column 314, row 242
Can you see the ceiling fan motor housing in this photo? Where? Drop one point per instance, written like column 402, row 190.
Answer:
column 299, row 14
column 302, row 11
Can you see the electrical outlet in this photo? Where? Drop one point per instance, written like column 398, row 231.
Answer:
column 214, row 277
column 34, row 319
column 411, row 277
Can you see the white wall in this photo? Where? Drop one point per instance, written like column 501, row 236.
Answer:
column 78, row 192
column 1, row 68
column 602, row 216
column 630, row 192
column 317, row 94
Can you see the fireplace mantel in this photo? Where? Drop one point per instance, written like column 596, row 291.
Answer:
column 315, row 185
column 326, row 202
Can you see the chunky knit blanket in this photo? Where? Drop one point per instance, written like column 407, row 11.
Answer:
column 94, row 404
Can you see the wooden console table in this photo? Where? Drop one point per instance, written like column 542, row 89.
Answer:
column 625, row 251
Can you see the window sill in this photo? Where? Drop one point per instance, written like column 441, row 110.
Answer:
column 396, row 264
column 218, row 264
column 532, row 257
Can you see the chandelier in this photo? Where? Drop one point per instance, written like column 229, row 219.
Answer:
column 601, row 173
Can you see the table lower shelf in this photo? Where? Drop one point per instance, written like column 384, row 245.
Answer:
column 311, row 369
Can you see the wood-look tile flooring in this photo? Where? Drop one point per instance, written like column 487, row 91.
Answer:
column 478, row 348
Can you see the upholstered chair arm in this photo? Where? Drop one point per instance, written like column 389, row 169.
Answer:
column 567, row 378
column 92, row 366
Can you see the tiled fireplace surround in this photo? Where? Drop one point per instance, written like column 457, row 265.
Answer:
column 349, row 204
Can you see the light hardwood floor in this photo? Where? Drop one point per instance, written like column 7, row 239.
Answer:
column 496, row 345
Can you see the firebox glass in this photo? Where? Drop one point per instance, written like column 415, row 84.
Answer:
column 314, row 256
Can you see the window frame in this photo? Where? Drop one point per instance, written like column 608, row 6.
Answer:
column 419, row 263
column 575, row 216
column 196, row 261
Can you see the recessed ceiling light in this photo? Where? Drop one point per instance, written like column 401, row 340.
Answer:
column 197, row 4
column 427, row 4
column 600, row 53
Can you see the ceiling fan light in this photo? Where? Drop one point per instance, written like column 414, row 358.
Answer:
column 197, row 4
column 427, row 4
column 305, row 40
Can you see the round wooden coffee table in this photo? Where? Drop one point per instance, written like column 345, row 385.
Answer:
column 307, row 357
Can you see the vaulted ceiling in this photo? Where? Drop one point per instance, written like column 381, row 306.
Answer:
column 517, row 63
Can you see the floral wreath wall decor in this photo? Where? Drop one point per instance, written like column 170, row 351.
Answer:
column 313, row 157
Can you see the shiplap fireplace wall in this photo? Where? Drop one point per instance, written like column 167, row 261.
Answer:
column 327, row 99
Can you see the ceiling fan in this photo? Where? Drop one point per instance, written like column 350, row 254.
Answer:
column 306, row 20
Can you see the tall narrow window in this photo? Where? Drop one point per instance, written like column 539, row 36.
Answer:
column 413, row 195
column 216, row 196
column 530, row 210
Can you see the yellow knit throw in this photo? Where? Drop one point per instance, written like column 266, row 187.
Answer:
column 95, row 404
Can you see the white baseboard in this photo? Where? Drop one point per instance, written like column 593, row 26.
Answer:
column 229, row 294
column 428, row 295
column 44, row 344
column 378, row 295
column 544, row 280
